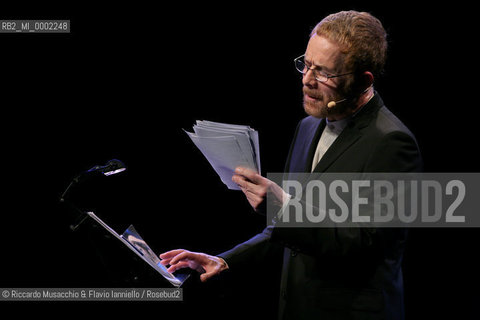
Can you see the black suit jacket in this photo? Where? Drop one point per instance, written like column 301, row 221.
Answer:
column 341, row 273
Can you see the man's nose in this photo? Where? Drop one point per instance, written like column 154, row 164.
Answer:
column 309, row 79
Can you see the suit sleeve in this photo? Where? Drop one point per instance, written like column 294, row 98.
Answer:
column 249, row 251
column 259, row 246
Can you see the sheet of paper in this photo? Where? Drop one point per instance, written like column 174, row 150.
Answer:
column 252, row 133
column 226, row 147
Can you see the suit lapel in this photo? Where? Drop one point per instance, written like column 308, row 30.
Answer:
column 351, row 133
column 313, row 145
column 348, row 137
column 301, row 155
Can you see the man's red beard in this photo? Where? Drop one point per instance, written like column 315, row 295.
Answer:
column 316, row 108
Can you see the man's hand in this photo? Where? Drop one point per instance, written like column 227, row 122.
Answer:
column 206, row 264
column 257, row 188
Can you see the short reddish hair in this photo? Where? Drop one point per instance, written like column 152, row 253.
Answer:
column 361, row 38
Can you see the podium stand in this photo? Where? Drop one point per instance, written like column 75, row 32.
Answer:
column 125, row 260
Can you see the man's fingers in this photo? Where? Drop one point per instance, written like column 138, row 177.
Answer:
column 205, row 276
column 253, row 199
column 250, row 174
column 170, row 254
column 184, row 259
column 201, row 262
column 164, row 262
column 182, row 256
column 174, row 256
column 254, row 186
column 217, row 268
column 244, row 184
column 180, row 265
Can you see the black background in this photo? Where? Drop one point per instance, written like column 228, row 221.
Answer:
column 129, row 77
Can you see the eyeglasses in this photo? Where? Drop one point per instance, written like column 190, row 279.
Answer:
column 320, row 76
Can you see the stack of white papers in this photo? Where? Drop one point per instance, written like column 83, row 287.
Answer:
column 227, row 146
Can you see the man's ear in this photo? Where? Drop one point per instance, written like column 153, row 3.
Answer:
column 367, row 79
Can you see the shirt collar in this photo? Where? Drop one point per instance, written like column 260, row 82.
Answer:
column 339, row 125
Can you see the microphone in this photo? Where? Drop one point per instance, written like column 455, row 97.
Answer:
column 332, row 104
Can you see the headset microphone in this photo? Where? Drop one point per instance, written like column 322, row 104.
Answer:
column 332, row 104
